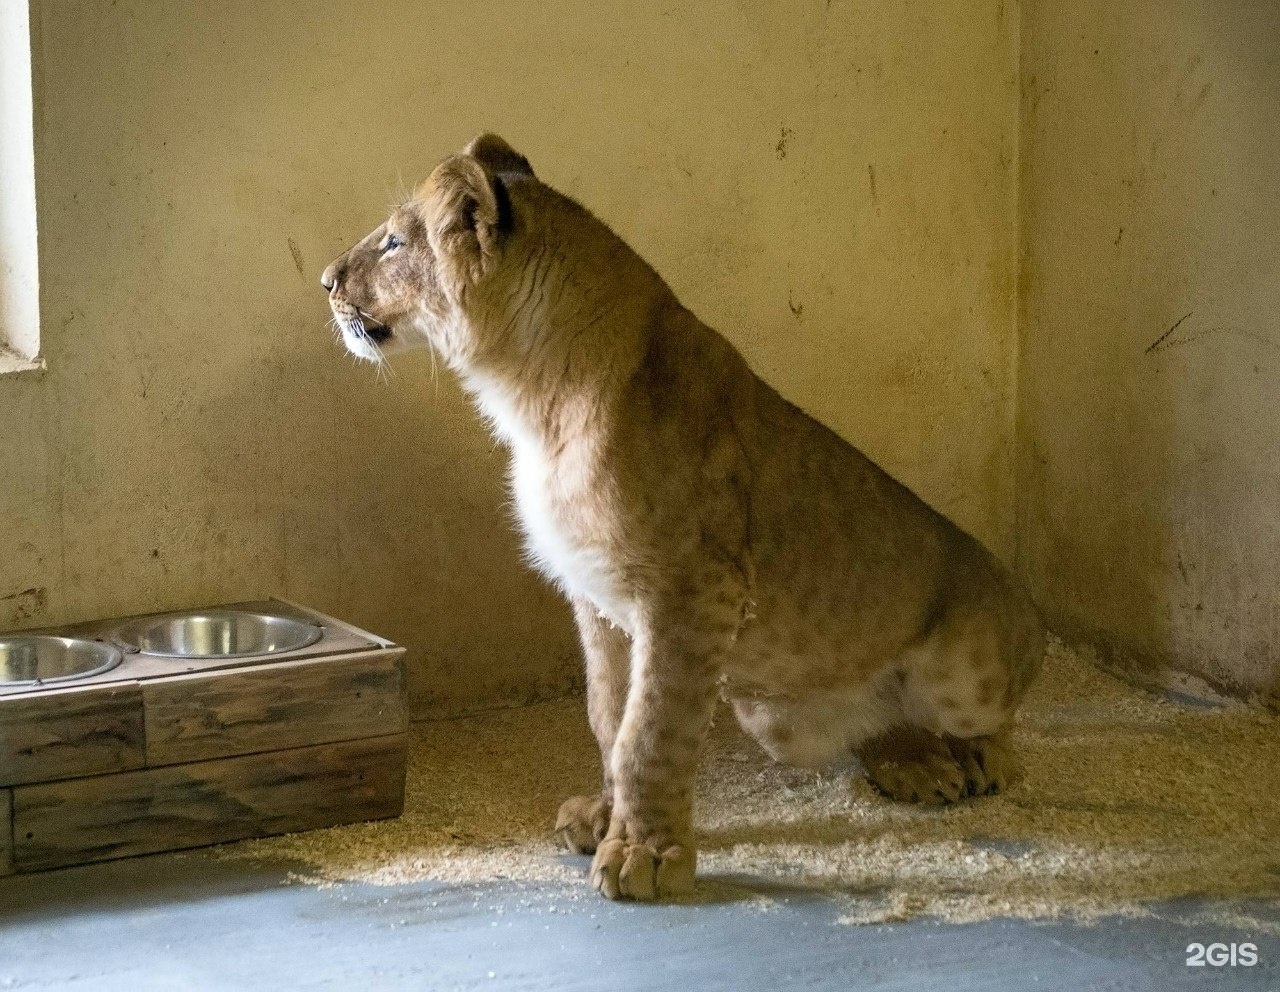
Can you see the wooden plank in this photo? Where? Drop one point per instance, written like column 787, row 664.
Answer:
column 69, row 732
column 272, row 707
column 208, row 802
column 6, row 831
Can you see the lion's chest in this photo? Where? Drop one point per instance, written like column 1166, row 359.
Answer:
column 569, row 534
column 566, row 530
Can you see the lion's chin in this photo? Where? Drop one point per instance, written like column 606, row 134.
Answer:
column 362, row 347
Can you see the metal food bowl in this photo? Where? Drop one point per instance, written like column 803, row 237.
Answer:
column 29, row 659
column 217, row 634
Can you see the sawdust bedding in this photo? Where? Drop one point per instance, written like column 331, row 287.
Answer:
column 1129, row 798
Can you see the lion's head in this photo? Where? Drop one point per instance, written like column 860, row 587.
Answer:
column 407, row 283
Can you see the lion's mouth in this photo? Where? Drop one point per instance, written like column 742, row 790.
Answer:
column 371, row 329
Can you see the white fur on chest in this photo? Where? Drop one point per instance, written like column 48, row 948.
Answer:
column 549, row 499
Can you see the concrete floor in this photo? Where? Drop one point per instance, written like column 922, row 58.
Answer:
column 191, row 922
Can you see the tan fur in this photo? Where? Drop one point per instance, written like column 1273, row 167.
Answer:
column 711, row 536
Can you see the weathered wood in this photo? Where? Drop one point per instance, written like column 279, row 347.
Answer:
column 160, row 809
column 271, row 707
column 6, row 832
column 69, row 732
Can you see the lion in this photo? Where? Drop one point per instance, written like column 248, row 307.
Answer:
column 713, row 540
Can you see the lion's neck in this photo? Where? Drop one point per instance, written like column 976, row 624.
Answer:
column 556, row 376
column 562, row 331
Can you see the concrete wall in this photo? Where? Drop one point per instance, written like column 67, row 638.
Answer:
column 1149, row 440
column 831, row 183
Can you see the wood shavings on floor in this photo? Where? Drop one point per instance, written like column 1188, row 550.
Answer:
column 1128, row 799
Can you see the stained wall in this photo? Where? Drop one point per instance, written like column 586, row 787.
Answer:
column 1149, row 440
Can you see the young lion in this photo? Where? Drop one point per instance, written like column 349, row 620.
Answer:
column 711, row 537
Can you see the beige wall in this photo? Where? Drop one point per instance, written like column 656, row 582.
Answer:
column 1149, row 469
column 830, row 183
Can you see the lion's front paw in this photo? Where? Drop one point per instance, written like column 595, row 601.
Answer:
column 644, row 870
column 582, row 823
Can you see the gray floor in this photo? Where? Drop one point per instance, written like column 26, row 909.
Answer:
column 190, row 922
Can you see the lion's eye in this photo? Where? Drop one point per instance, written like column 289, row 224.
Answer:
column 392, row 242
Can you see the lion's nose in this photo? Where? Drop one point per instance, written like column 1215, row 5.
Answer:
column 329, row 278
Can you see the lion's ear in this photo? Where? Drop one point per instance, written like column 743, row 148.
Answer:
column 497, row 156
column 467, row 213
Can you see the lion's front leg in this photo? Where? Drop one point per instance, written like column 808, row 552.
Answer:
column 583, row 821
column 649, row 851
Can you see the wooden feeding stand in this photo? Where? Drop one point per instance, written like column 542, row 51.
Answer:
column 161, row 752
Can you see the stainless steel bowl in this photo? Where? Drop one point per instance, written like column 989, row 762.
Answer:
column 29, row 659
column 217, row 634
